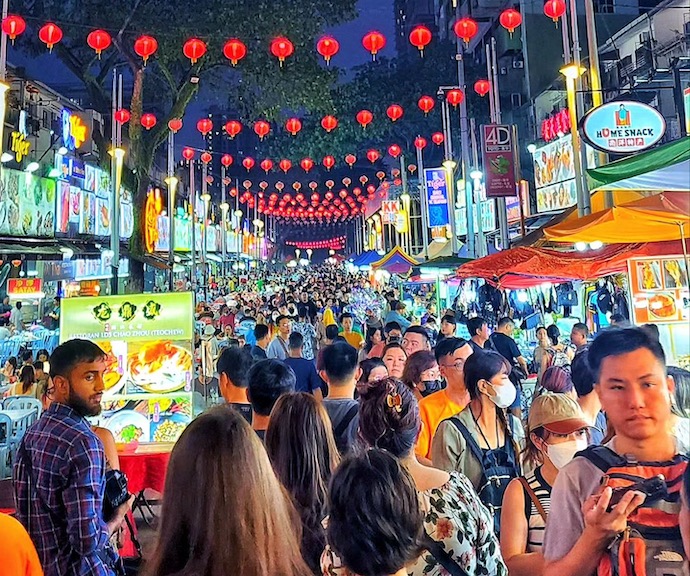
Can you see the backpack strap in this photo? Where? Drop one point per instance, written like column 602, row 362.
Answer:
column 442, row 557
column 342, row 426
column 469, row 440
column 532, row 497
column 602, row 457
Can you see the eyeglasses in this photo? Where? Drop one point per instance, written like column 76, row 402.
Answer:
column 458, row 364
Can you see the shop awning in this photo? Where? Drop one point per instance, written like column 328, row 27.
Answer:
column 151, row 260
column 666, row 168
column 655, row 218
column 435, row 250
column 366, row 258
column 396, row 262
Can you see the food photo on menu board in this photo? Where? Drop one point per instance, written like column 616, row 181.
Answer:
column 27, row 205
column 147, row 339
column 660, row 290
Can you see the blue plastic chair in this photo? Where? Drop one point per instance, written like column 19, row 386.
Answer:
column 23, row 403
column 5, row 448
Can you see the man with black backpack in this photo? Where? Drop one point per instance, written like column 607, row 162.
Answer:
column 340, row 370
column 617, row 505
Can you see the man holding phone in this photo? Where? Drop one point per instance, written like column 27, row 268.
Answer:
column 635, row 393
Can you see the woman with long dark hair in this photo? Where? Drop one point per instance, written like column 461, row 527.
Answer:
column 300, row 444
column 224, row 510
column 453, row 515
column 26, row 384
column 481, row 441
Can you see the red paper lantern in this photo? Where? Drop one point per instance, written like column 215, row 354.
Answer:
column 248, row 163
column 510, row 19
column 266, row 165
column 411, row 168
column 281, row 48
column 233, row 128
column 306, row 164
column 122, row 116
column 350, row 159
column 364, row 117
column 373, row 155
column 394, row 150
column 420, row 143
column 145, row 46
column 234, row 50
column 175, row 124
column 293, row 125
column 205, row 125
column 554, row 9
column 328, row 162
column 437, row 138
column 13, row 26
column 374, row 42
column 394, row 112
column 455, row 96
column 420, row 37
column 328, row 47
column 188, row 154
column 285, row 165
column 50, row 34
column 148, row 121
column 194, row 49
column 262, row 128
column 226, row 160
column 99, row 40
column 482, row 87
column 466, row 28
column 343, row 194
column 426, row 104
column 329, row 123
column 206, row 157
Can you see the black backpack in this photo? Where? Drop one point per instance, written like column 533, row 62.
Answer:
column 499, row 468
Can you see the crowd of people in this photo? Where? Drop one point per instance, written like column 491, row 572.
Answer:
column 351, row 444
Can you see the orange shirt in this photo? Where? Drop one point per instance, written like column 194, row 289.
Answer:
column 433, row 410
column 18, row 554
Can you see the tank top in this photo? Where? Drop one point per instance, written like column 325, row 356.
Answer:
column 535, row 523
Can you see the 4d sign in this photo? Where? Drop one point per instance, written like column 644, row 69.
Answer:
column 74, row 131
column 623, row 127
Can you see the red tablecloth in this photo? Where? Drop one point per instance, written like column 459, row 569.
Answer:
column 145, row 471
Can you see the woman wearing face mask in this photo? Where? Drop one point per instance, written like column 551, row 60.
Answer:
column 556, row 430
column 394, row 357
column 482, row 441
column 422, row 374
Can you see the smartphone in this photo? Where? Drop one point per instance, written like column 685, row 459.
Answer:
column 654, row 488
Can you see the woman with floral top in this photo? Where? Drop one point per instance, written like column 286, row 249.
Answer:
column 454, row 516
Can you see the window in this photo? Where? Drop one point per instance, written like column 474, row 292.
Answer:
column 604, row 6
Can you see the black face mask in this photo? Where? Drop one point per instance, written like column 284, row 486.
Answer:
column 431, row 386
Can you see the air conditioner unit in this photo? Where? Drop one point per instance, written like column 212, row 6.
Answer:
column 503, row 70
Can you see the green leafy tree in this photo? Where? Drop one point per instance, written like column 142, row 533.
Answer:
column 167, row 84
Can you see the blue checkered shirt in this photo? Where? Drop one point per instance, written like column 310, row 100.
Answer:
column 60, row 503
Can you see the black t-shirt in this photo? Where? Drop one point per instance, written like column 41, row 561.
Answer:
column 505, row 346
column 477, row 348
column 244, row 409
column 258, row 353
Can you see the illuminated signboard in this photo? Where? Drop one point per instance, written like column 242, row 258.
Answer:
column 19, row 142
column 74, row 131
column 152, row 210
column 555, row 126
column 623, row 127
column 24, row 286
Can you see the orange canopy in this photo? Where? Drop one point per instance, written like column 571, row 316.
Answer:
column 656, row 218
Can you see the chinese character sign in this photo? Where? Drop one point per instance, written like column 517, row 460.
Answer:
column 436, row 183
column 498, row 153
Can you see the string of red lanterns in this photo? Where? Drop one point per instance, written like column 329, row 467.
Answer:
column 335, row 243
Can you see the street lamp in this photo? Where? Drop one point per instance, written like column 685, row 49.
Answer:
column 118, row 155
column 476, row 174
column 309, row 253
column 405, row 199
column 171, row 182
column 224, row 208
column 297, row 253
column 238, row 215
column 572, row 72
column 531, row 148
column 450, row 166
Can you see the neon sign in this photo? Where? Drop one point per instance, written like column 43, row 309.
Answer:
column 73, row 130
column 19, row 139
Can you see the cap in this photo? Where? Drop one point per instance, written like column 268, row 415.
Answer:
column 209, row 330
column 556, row 413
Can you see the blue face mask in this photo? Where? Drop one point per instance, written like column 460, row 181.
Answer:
column 431, row 386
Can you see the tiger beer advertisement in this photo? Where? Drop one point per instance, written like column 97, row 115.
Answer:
column 659, row 289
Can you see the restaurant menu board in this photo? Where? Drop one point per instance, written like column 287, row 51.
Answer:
column 27, row 205
column 147, row 339
column 659, row 288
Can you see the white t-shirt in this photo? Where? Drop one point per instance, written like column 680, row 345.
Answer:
column 682, row 433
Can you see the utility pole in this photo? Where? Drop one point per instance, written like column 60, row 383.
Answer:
column 423, row 203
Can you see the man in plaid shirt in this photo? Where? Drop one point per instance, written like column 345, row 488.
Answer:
column 59, row 478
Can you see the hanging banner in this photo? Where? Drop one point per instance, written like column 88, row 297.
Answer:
column 623, row 127
column 498, row 153
column 436, row 184
column 659, row 290
column 389, row 211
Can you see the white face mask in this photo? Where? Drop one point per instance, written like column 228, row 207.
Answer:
column 505, row 394
column 561, row 454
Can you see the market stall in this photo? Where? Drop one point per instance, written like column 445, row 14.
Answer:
column 397, row 261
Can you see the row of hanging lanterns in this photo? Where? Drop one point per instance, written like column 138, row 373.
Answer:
column 281, row 47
